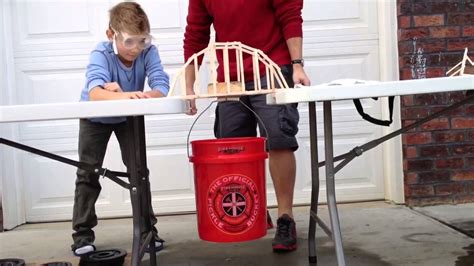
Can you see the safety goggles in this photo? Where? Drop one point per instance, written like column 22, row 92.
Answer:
column 132, row 41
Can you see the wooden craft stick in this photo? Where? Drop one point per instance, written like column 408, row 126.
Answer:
column 280, row 79
column 183, row 85
column 268, row 66
column 183, row 69
column 173, row 83
column 212, row 58
column 453, row 68
column 237, row 63
column 464, row 59
column 256, row 78
column 267, row 74
column 259, row 79
column 462, row 65
column 246, row 47
column 196, row 85
column 241, row 63
column 273, row 73
column 272, row 80
column 226, row 67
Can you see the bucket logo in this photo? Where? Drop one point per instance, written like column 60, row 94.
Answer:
column 233, row 203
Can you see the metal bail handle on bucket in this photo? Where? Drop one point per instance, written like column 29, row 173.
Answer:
column 229, row 179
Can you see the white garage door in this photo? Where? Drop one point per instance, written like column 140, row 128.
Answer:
column 49, row 47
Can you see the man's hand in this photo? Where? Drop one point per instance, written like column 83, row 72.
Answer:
column 112, row 86
column 192, row 110
column 299, row 76
column 190, row 77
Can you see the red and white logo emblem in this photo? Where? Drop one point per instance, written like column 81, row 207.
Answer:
column 233, row 203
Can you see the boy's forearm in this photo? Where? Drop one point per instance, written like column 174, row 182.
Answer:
column 155, row 93
column 99, row 94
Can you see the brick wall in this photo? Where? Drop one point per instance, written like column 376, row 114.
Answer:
column 438, row 156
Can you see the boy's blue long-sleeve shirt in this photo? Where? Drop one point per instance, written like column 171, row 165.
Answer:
column 105, row 67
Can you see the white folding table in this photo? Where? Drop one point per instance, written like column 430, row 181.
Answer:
column 327, row 93
column 138, row 176
column 135, row 110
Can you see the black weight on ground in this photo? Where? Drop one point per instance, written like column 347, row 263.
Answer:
column 12, row 262
column 110, row 257
column 57, row 263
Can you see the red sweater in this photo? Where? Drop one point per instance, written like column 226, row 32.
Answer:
column 261, row 24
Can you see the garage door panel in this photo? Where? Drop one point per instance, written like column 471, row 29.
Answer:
column 51, row 53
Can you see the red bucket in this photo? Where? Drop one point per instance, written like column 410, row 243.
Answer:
column 229, row 179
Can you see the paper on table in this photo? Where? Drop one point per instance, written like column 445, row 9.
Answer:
column 341, row 82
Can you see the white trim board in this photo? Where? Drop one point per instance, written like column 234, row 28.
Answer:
column 389, row 70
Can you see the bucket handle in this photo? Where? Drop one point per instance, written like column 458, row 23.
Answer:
column 209, row 106
column 192, row 125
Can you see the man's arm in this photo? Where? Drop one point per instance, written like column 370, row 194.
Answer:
column 196, row 38
column 295, row 47
column 190, row 77
column 198, row 29
column 289, row 15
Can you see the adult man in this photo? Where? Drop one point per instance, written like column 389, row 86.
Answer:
column 275, row 27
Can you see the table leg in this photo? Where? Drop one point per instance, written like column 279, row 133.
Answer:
column 330, row 183
column 140, row 191
column 313, row 259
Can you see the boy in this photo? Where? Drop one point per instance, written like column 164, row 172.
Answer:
column 117, row 70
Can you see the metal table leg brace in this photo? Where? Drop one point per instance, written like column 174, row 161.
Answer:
column 140, row 193
column 335, row 232
column 138, row 185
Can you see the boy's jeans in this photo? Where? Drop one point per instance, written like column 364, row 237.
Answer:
column 93, row 139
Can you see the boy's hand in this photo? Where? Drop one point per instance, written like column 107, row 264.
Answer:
column 134, row 95
column 112, row 86
column 99, row 94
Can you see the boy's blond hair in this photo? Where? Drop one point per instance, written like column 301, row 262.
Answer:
column 129, row 17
